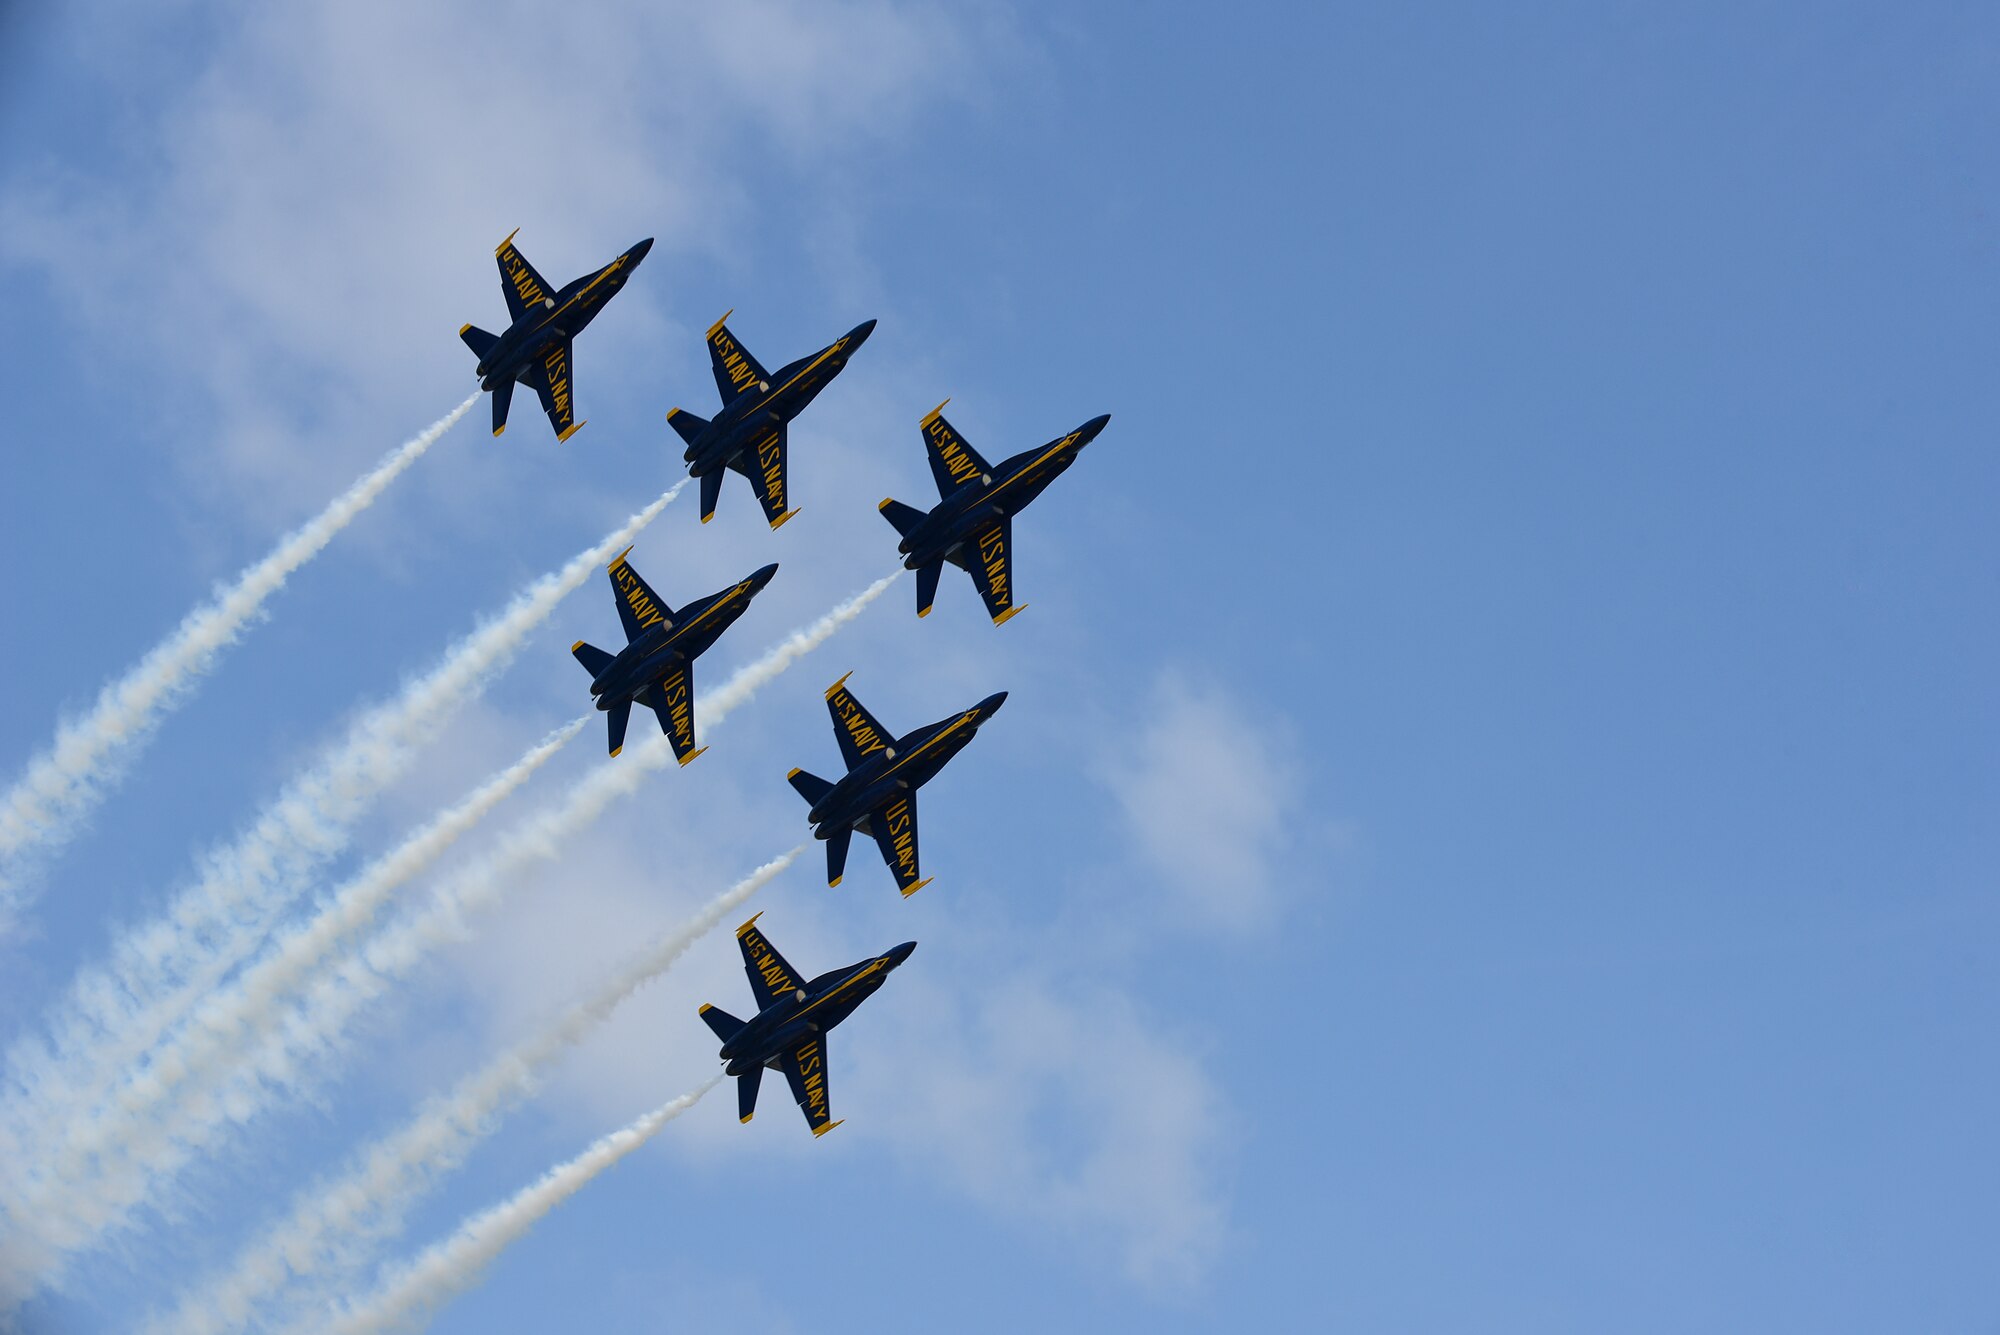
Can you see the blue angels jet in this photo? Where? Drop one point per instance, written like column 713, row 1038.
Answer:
column 656, row 666
column 878, row 795
column 535, row 348
column 748, row 435
column 972, row 526
column 788, row 1032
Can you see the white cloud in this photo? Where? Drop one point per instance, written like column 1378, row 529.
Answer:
column 1210, row 794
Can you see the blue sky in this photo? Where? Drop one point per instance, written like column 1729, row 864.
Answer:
column 1494, row 822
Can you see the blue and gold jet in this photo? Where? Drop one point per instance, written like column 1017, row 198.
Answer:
column 878, row 795
column 972, row 526
column 748, row 435
column 656, row 666
column 788, row 1032
column 535, row 350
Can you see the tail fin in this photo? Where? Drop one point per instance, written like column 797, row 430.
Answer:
column 927, row 582
column 687, row 424
column 810, row 786
column 617, row 717
column 836, row 854
column 711, row 491
column 746, row 1093
column 478, row 340
column 904, row 517
column 594, row 659
column 725, row 1025
column 503, row 394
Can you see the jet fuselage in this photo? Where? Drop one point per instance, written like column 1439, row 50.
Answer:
column 796, row 1015
column 752, row 418
column 901, row 764
column 552, row 318
column 980, row 499
column 688, row 634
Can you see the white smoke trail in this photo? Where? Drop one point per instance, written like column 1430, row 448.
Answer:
column 47, row 804
column 334, row 1229
column 117, row 1012
column 112, row 1158
column 412, row 1293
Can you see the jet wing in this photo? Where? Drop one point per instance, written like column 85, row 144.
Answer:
column 767, row 476
column 518, row 279
column 672, row 698
column 855, row 728
column 735, row 369
column 989, row 559
column 805, row 1069
column 638, row 606
column 894, row 826
column 770, row 976
column 550, row 377
column 953, row 462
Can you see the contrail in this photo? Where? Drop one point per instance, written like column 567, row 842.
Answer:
column 47, row 804
column 448, row 1268
column 338, row 1226
column 110, row 1160
column 115, row 1013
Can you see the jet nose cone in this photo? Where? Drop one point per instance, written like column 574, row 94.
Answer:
column 859, row 334
column 763, row 577
column 638, row 252
column 900, row 953
column 1095, row 425
column 991, row 704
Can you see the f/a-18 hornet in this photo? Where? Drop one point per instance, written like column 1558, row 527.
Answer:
column 878, row 795
column 972, row 526
column 656, row 666
column 788, row 1032
column 748, row 435
column 535, row 348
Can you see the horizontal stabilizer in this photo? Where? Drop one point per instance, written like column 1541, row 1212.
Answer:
column 746, row 1093
column 904, row 517
column 616, row 718
column 478, row 340
column 594, row 659
column 686, row 423
column 810, row 786
column 725, row 1025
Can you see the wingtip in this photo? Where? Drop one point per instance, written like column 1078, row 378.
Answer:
column 703, row 1009
column 462, row 328
column 616, row 751
column 835, row 881
column 499, row 429
column 822, row 1130
column 1009, row 614
column 923, row 612
column 887, row 501
column 692, row 756
column 795, row 772
column 745, row 1118
column 932, row 415
column 723, row 321
column 831, row 690
column 574, row 647
column 574, row 427
column 672, row 413
column 750, row 922
column 708, row 516
column 501, row 249
column 918, row 886
column 783, row 519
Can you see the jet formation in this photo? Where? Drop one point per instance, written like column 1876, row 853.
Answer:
column 788, row 1032
column 748, row 435
column 971, row 526
column 535, row 350
column 656, row 666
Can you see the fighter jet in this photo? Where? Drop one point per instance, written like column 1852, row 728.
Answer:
column 973, row 525
column 748, row 435
column 656, row 666
column 878, row 796
column 535, row 348
column 788, row 1032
